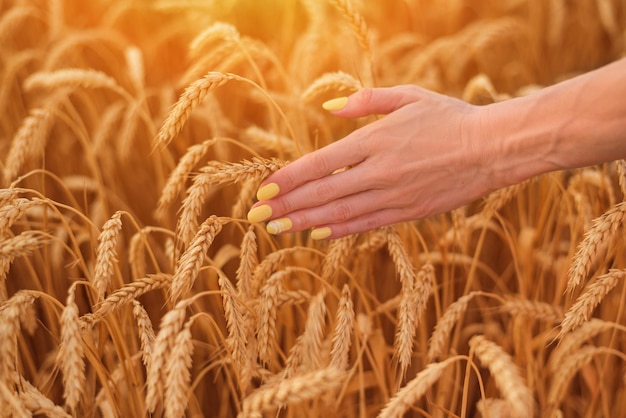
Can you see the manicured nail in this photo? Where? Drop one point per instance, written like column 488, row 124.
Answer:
column 335, row 104
column 277, row 226
column 321, row 233
column 268, row 191
column 259, row 214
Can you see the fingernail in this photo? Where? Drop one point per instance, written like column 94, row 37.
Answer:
column 259, row 214
column 277, row 226
column 321, row 233
column 268, row 191
column 335, row 104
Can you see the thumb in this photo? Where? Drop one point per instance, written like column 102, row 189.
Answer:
column 373, row 101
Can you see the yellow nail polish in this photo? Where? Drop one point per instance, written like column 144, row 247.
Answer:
column 259, row 214
column 321, row 233
column 335, row 104
column 277, row 226
column 268, row 191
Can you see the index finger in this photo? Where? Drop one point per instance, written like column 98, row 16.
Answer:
column 312, row 166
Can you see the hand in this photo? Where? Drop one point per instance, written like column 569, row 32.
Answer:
column 425, row 157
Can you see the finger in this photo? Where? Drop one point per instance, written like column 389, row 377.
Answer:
column 324, row 190
column 334, row 212
column 312, row 166
column 374, row 101
column 364, row 223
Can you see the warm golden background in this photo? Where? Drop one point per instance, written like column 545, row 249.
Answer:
column 133, row 136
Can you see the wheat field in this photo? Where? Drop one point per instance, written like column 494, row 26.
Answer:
column 133, row 137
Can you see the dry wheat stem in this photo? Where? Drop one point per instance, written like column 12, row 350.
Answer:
column 106, row 255
column 307, row 386
column 189, row 264
column 621, row 176
column 601, row 232
column 506, row 375
column 71, row 353
column 593, row 295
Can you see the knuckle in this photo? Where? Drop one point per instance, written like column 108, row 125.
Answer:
column 323, row 192
column 319, row 165
column 341, row 211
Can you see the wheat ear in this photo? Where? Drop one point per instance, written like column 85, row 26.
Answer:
column 146, row 332
column 178, row 373
column 581, row 310
column 340, row 351
column 74, row 77
column 506, row 375
column 297, row 389
column 71, row 353
column 266, row 314
column 189, row 264
column 236, row 321
column 191, row 97
column 106, row 255
column 12, row 313
column 28, row 142
column 331, row 82
column 306, row 352
column 602, row 230
column 441, row 333
column 171, row 324
column 414, row 390
column 176, row 181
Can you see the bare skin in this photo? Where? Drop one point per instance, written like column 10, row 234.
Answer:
column 432, row 153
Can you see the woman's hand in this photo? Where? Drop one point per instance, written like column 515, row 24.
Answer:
column 426, row 156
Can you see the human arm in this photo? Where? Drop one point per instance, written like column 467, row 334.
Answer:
column 432, row 153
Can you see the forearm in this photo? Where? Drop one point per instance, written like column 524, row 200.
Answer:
column 576, row 123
